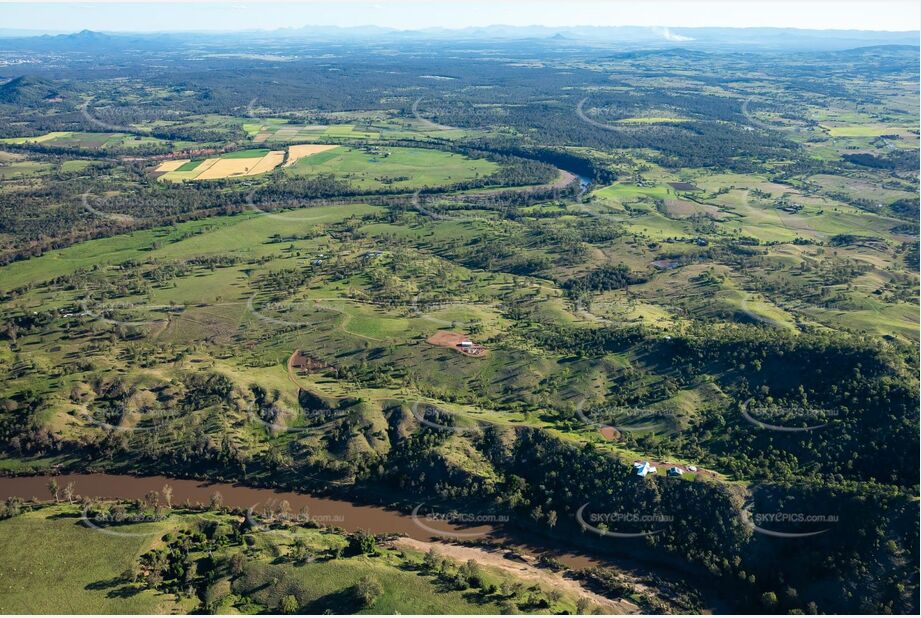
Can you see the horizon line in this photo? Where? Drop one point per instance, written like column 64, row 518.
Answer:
column 440, row 28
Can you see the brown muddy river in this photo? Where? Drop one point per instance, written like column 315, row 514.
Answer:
column 328, row 511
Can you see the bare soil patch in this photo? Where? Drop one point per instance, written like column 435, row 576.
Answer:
column 301, row 361
column 609, row 433
column 548, row 579
column 682, row 209
column 447, row 339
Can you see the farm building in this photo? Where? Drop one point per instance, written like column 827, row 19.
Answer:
column 643, row 468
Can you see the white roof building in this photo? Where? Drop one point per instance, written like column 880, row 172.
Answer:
column 642, row 468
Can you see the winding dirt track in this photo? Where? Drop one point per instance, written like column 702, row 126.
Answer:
column 547, row 579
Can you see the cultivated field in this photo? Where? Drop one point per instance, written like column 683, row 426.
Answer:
column 230, row 165
column 300, row 151
column 237, row 164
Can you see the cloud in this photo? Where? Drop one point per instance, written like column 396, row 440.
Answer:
column 668, row 35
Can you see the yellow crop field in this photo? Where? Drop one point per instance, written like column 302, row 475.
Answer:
column 223, row 168
column 35, row 140
column 234, row 164
column 300, row 151
column 204, row 167
column 172, row 166
column 268, row 162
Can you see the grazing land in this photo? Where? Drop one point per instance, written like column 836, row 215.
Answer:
column 402, row 168
column 45, row 551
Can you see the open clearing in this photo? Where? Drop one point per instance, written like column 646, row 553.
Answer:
column 453, row 341
column 35, row 140
column 870, row 130
column 278, row 130
column 650, row 120
column 371, row 167
column 225, row 168
column 275, row 132
column 48, row 551
column 268, row 162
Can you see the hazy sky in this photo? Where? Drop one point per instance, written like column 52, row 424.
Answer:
column 162, row 16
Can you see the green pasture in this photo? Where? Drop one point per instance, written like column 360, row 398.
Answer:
column 87, row 140
column 253, row 153
column 399, row 168
column 53, row 564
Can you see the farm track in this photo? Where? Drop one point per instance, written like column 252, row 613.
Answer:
column 521, row 570
column 434, row 126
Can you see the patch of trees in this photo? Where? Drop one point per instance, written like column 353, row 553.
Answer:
column 586, row 342
column 896, row 160
column 906, row 208
column 205, row 389
column 603, row 279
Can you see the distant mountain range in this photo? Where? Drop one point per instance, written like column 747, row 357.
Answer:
column 90, row 41
column 621, row 36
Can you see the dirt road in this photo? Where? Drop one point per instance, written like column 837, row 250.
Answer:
column 546, row 578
